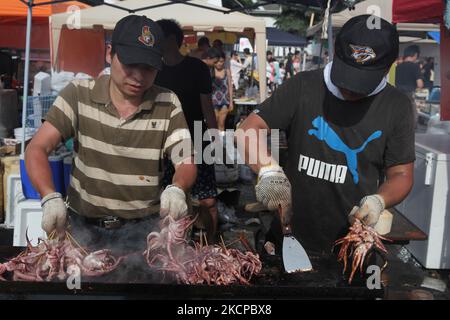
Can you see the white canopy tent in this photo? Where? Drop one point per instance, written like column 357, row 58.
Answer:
column 380, row 8
column 190, row 18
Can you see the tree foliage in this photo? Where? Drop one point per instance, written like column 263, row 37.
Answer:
column 235, row 4
column 294, row 20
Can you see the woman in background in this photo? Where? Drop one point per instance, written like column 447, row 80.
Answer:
column 222, row 94
column 289, row 67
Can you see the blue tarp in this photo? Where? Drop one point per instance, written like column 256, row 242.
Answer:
column 436, row 35
column 277, row 37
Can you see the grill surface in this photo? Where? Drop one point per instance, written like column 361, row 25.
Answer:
column 133, row 279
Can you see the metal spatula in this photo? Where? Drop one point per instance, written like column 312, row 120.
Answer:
column 295, row 258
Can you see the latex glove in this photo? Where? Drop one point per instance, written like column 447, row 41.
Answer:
column 273, row 188
column 54, row 213
column 369, row 210
column 173, row 202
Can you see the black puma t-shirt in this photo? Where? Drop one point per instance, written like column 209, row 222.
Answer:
column 337, row 150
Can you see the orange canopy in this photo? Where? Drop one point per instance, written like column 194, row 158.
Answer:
column 13, row 21
column 15, row 8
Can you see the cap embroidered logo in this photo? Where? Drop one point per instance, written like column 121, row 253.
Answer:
column 362, row 54
column 147, row 37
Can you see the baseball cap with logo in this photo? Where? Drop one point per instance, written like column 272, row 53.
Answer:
column 137, row 40
column 365, row 49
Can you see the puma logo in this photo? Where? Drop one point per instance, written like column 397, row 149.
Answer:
column 324, row 132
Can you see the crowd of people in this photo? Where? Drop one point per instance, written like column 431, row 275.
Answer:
column 279, row 71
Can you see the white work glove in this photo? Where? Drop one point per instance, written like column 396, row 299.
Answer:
column 54, row 213
column 369, row 210
column 273, row 188
column 173, row 202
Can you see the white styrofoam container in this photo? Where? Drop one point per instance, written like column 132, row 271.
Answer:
column 14, row 195
column 28, row 217
column 42, row 84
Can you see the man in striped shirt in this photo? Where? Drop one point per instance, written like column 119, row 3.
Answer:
column 123, row 126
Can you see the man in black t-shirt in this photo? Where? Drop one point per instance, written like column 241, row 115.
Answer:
column 190, row 79
column 346, row 128
column 407, row 74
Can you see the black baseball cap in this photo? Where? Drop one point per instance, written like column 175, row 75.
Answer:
column 365, row 49
column 137, row 40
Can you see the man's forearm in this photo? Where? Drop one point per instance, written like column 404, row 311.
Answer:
column 38, row 170
column 185, row 175
column 395, row 189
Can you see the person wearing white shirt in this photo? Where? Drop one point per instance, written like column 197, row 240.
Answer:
column 236, row 66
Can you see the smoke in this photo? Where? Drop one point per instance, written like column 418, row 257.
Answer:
column 129, row 241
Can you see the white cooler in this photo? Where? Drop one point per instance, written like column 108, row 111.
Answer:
column 14, row 196
column 428, row 204
column 28, row 217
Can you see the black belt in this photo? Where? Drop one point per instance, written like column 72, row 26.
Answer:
column 108, row 222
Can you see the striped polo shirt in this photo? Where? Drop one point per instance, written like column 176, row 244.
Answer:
column 117, row 165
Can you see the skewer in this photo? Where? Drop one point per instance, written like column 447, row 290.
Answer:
column 223, row 244
column 233, row 242
column 384, row 265
column 72, row 239
column 245, row 242
column 206, row 240
column 52, row 235
column 201, row 239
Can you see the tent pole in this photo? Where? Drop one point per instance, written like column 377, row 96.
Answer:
column 26, row 75
column 260, row 48
column 320, row 54
column 330, row 38
column 304, row 61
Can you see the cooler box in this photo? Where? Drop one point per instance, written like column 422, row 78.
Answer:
column 428, row 204
column 10, row 167
column 28, row 217
column 14, row 196
column 57, row 167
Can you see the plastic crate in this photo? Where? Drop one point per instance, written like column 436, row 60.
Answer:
column 37, row 108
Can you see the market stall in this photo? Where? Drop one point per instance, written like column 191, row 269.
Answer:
column 429, row 11
column 381, row 8
column 96, row 22
column 326, row 280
